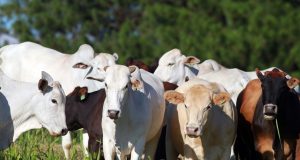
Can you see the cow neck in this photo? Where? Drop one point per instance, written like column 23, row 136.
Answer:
column 25, row 119
column 258, row 120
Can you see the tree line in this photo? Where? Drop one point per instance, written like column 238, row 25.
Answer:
column 236, row 33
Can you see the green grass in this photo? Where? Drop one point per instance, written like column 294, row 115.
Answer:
column 38, row 144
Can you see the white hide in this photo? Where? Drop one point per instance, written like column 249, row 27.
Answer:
column 174, row 67
column 25, row 61
column 141, row 108
column 98, row 64
column 24, row 107
column 234, row 80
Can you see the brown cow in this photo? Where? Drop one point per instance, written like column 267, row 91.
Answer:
column 84, row 110
column 263, row 103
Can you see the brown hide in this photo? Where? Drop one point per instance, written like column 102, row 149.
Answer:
column 249, row 99
column 140, row 64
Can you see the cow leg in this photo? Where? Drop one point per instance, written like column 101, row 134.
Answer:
column 121, row 156
column 151, row 146
column 85, row 142
column 170, row 150
column 108, row 149
column 137, row 152
column 66, row 142
column 94, row 147
column 228, row 153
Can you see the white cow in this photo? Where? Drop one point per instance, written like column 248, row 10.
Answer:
column 203, row 124
column 133, row 112
column 25, row 61
column 25, row 106
column 176, row 68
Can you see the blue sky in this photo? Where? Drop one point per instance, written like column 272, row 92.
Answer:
column 7, row 22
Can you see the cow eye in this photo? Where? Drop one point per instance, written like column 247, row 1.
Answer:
column 185, row 106
column 171, row 64
column 208, row 107
column 54, row 101
column 105, row 84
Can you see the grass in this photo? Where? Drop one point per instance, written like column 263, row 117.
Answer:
column 38, row 144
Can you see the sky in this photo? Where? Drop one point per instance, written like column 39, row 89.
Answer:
column 7, row 22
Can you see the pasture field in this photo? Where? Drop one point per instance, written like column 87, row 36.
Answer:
column 39, row 145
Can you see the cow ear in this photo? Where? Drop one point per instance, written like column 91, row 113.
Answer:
column 47, row 77
column 221, row 98
column 190, row 60
column 136, row 84
column 82, row 93
column 174, row 97
column 43, row 85
column 293, row 82
column 259, row 74
column 105, row 68
column 80, row 65
column 132, row 68
column 135, row 80
column 116, row 56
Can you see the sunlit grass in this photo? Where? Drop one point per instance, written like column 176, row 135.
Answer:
column 38, row 144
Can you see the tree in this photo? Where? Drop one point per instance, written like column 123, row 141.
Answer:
column 239, row 34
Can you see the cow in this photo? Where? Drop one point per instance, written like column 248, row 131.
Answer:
column 133, row 112
column 25, row 106
column 268, row 118
column 174, row 67
column 202, row 125
column 84, row 110
column 26, row 60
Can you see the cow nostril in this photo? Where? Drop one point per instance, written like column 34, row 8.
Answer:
column 192, row 130
column 64, row 131
column 113, row 113
column 196, row 129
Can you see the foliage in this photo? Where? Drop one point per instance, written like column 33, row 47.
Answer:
column 236, row 33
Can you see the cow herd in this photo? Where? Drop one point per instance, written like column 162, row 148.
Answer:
column 177, row 108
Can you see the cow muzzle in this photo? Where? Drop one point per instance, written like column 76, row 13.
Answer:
column 62, row 133
column 270, row 111
column 113, row 114
column 192, row 131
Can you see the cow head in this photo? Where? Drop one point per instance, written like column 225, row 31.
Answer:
column 50, row 109
column 198, row 101
column 97, row 69
column 119, row 81
column 78, row 95
column 176, row 68
column 273, row 84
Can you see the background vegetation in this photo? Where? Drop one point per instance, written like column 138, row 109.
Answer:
column 236, row 33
